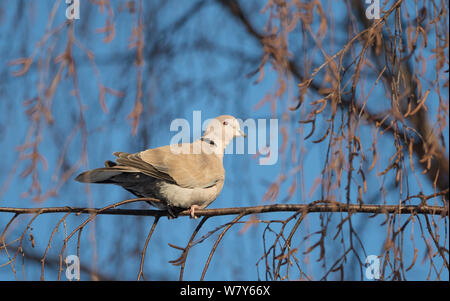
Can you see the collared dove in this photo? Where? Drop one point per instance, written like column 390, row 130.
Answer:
column 182, row 176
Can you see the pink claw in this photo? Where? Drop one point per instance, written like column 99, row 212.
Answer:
column 192, row 211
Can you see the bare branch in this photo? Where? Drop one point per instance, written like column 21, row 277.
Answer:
column 317, row 206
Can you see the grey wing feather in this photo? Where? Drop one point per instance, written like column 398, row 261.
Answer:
column 134, row 161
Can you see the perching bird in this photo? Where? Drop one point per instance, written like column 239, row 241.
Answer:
column 182, row 176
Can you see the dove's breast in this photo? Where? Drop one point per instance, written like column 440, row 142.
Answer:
column 178, row 196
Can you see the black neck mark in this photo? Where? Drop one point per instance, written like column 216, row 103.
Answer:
column 207, row 140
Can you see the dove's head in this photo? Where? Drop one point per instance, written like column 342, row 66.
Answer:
column 222, row 129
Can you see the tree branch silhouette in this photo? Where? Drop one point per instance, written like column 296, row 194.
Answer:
column 316, row 206
column 436, row 164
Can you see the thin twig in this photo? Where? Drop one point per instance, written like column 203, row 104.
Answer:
column 141, row 267
column 236, row 219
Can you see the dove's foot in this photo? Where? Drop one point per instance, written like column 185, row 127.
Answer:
column 173, row 212
column 192, row 211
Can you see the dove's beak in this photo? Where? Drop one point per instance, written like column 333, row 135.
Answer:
column 241, row 133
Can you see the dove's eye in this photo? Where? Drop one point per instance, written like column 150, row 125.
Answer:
column 225, row 123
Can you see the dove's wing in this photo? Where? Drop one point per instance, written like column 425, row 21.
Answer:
column 186, row 170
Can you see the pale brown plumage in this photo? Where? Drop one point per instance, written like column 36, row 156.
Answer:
column 191, row 179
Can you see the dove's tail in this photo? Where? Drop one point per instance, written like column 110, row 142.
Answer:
column 98, row 175
column 102, row 175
